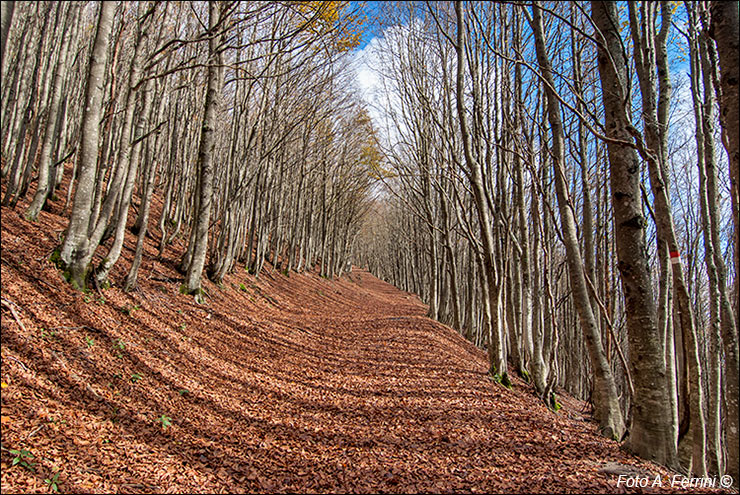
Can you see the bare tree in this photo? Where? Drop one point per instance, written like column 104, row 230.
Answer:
column 80, row 240
column 650, row 435
column 606, row 402
column 6, row 14
column 724, row 30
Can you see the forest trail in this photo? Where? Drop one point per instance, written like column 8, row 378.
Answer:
column 169, row 172
column 278, row 384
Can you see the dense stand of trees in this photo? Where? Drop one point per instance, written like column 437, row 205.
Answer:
column 240, row 115
column 558, row 181
column 559, row 189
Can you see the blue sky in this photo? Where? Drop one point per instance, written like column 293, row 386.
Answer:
column 368, row 82
column 372, row 9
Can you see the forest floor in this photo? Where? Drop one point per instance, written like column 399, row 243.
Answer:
column 277, row 384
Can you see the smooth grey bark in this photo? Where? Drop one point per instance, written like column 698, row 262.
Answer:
column 131, row 278
column 606, row 402
column 75, row 249
column 205, row 156
column 452, row 265
column 13, row 92
column 128, row 154
column 6, row 17
column 532, row 346
column 649, row 54
column 60, row 71
column 725, row 31
column 492, row 278
column 650, row 435
column 587, row 232
column 29, row 118
column 41, row 110
column 470, row 310
column 726, row 315
column 434, row 275
column 714, row 429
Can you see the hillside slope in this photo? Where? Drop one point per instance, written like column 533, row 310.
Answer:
column 296, row 384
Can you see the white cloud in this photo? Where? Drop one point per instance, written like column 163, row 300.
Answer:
column 367, row 80
column 381, row 97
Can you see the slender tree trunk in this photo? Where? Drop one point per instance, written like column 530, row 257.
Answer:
column 145, row 209
column 43, row 186
column 15, row 91
column 606, row 402
column 75, row 247
column 493, row 278
column 205, row 157
column 725, row 31
column 470, row 323
column 6, row 16
column 649, row 53
column 129, row 158
column 452, row 264
column 28, row 119
column 651, row 434
column 714, row 420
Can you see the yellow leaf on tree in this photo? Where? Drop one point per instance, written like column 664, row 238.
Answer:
column 333, row 20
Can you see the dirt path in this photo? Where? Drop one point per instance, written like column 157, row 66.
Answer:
column 296, row 384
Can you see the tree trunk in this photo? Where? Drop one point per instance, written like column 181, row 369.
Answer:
column 650, row 435
column 145, row 209
column 6, row 16
column 43, row 186
column 492, row 277
column 205, row 157
column 75, row 247
column 649, row 53
column 606, row 402
column 14, row 182
column 725, row 31
column 452, row 264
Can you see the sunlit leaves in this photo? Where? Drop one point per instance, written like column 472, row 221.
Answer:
column 333, row 22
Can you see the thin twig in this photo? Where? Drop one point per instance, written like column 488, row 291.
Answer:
column 611, row 330
column 35, row 430
column 19, row 362
column 7, row 304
